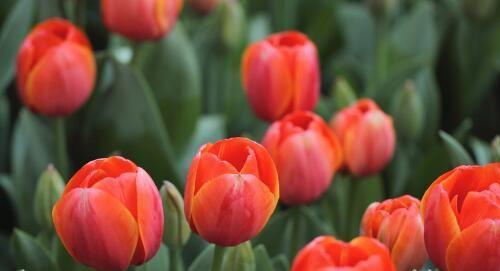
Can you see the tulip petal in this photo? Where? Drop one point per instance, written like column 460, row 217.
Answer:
column 409, row 252
column 232, row 208
column 96, row 229
column 304, row 158
column 476, row 248
column 480, row 205
column 267, row 80
column 62, row 80
column 373, row 247
column 322, row 252
column 440, row 225
column 149, row 217
column 306, row 77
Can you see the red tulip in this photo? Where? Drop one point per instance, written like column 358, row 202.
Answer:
column 281, row 75
column 367, row 137
column 327, row 254
column 141, row 20
column 55, row 68
column 461, row 212
column 231, row 191
column 110, row 215
column 306, row 153
column 397, row 223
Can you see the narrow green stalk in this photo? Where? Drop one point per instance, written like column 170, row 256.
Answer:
column 296, row 229
column 136, row 46
column 61, row 147
column 218, row 258
column 176, row 263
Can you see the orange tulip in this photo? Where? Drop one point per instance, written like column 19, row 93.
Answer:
column 141, row 20
column 327, row 254
column 306, row 153
column 281, row 75
column 461, row 212
column 231, row 191
column 55, row 68
column 397, row 223
column 367, row 137
column 110, row 215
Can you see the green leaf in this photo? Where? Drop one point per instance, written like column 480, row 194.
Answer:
column 274, row 235
column 262, row 260
column 240, row 257
column 481, row 150
column 5, row 253
column 13, row 32
column 32, row 151
column 204, row 260
column 415, row 35
column 172, row 70
column 4, row 132
column 29, row 254
column 457, row 153
column 430, row 164
column 337, row 204
column 159, row 262
column 399, row 171
column 356, row 24
column 126, row 119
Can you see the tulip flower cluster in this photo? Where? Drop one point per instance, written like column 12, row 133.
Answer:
column 111, row 215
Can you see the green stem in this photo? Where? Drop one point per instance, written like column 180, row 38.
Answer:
column 218, row 258
column 136, row 46
column 295, row 237
column 61, row 147
column 354, row 189
column 176, row 263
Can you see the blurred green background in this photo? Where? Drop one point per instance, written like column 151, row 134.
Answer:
column 433, row 65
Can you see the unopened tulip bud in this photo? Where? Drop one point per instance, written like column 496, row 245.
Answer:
column 408, row 112
column 48, row 191
column 176, row 231
column 367, row 137
column 141, row 20
column 55, row 68
column 239, row 258
column 479, row 10
column 233, row 23
column 495, row 148
column 343, row 94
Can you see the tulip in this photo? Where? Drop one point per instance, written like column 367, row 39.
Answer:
column 281, row 75
column 461, row 212
column 327, row 254
column 306, row 153
column 55, row 68
column 397, row 223
column 110, row 215
column 367, row 137
column 141, row 20
column 231, row 191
